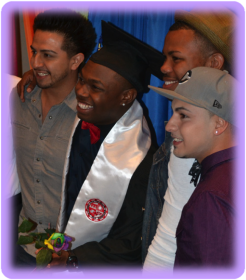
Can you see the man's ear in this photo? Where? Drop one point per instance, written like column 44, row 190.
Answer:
column 76, row 60
column 215, row 60
column 220, row 126
column 128, row 96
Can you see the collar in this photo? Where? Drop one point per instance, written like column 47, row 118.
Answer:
column 217, row 158
column 105, row 129
column 70, row 100
column 164, row 149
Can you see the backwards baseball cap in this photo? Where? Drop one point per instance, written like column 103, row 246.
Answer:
column 207, row 88
column 129, row 57
column 217, row 26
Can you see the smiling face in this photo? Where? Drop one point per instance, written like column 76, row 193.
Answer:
column 182, row 54
column 192, row 129
column 50, row 63
column 100, row 92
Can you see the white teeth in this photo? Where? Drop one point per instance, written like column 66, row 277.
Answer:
column 42, row 74
column 177, row 140
column 84, row 106
column 170, row 82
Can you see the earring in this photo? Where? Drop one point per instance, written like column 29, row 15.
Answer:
column 123, row 104
column 216, row 132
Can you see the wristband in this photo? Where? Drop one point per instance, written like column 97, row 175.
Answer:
column 72, row 261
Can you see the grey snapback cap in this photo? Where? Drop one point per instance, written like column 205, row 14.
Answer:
column 208, row 88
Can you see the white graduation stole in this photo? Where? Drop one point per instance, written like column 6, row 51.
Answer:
column 102, row 194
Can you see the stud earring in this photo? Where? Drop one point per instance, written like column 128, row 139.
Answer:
column 216, row 132
column 123, row 104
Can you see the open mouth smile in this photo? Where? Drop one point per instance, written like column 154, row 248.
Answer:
column 84, row 106
column 169, row 82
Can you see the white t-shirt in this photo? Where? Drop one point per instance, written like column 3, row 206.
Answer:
column 161, row 253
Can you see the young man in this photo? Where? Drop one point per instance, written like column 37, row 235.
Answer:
column 195, row 39
column 42, row 125
column 109, row 155
column 202, row 127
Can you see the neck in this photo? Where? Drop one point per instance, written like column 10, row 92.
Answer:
column 55, row 95
column 59, row 92
column 222, row 142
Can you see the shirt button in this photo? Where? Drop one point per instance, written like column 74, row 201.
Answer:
column 41, row 138
column 50, row 117
column 37, row 181
column 38, row 159
column 39, row 203
column 33, row 100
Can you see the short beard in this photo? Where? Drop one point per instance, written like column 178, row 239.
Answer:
column 58, row 79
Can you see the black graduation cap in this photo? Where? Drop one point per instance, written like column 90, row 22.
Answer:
column 129, row 57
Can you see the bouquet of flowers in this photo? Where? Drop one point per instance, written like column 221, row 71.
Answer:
column 50, row 242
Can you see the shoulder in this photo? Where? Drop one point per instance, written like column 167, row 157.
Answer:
column 219, row 181
column 209, row 202
column 164, row 150
column 12, row 81
column 141, row 174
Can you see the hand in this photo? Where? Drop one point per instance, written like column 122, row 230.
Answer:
column 28, row 78
column 61, row 260
column 57, row 261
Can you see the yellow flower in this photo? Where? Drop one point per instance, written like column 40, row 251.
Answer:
column 48, row 242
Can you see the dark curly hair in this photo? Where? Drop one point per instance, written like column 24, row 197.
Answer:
column 79, row 34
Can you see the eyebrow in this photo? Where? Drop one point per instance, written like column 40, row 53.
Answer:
column 43, row 50
column 172, row 52
column 93, row 80
column 181, row 108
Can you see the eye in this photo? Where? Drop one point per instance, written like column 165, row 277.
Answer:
column 81, row 80
column 95, row 87
column 176, row 59
column 33, row 52
column 183, row 116
column 47, row 55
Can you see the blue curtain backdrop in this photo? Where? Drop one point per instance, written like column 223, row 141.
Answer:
column 151, row 28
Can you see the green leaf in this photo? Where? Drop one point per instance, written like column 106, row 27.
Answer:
column 27, row 225
column 43, row 236
column 34, row 234
column 25, row 239
column 43, row 258
column 40, row 244
column 50, row 231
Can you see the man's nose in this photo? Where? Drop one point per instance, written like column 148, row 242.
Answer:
column 36, row 61
column 171, row 126
column 82, row 89
column 166, row 67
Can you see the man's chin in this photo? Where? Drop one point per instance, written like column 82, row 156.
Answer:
column 179, row 155
column 43, row 86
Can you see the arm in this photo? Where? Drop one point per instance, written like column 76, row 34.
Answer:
column 123, row 244
column 28, row 78
column 206, row 233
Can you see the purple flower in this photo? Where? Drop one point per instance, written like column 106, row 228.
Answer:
column 58, row 242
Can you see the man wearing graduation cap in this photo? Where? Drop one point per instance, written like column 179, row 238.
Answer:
column 109, row 155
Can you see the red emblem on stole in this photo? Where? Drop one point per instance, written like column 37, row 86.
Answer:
column 96, row 210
